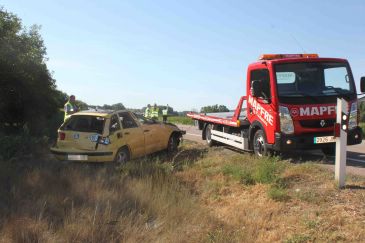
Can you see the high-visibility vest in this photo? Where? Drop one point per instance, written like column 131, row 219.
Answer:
column 154, row 113
column 69, row 109
column 147, row 112
column 165, row 111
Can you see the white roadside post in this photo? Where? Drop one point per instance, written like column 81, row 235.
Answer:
column 341, row 141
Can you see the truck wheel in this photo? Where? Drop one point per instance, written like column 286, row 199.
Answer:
column 122, row 157
column 172, row 144
column 330, row 151
column 259, row 144
column 208, row 135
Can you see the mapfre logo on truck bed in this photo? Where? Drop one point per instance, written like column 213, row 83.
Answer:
column 314, row 110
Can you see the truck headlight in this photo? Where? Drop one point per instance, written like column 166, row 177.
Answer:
column 353, row 115
column 286, row 122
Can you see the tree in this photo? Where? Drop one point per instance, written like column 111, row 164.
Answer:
column 28, row 94
column 214, row 108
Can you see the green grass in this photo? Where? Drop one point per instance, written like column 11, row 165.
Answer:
column 180, row 120
column 278, row 194
column 362, row 125
column 260, row 170
column 239, row 173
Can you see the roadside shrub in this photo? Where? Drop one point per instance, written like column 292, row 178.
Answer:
column 22, row 144
column 362, row 125
column 239, row 173
column 278, row 194
column 298, row 239
column 268, row 169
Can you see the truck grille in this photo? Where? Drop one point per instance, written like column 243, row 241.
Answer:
column 322, row 123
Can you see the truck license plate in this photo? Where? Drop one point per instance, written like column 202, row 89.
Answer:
column 76, row 157
column 327, row 139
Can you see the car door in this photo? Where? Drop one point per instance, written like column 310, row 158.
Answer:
column 133, row 134
column 261, row 108
column 115, row 134
column 151, row 131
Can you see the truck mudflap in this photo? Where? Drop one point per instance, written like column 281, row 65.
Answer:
column 284, row 142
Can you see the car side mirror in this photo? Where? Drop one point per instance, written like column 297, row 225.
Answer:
column 256, row 88
column 362, row 84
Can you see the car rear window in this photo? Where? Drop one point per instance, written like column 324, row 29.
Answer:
column 85, row 124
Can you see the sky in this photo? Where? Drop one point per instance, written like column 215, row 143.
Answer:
column 187, row 54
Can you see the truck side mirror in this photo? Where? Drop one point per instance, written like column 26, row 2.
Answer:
column 362, row 84
column 256, row 88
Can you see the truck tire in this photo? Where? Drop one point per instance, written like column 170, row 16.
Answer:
column 259, row 144
column 208, row 135
column 122, row 157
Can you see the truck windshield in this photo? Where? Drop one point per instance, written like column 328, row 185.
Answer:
column 314, row 79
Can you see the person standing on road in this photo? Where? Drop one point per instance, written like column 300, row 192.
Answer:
column 154, row 112
column 70, row 107
column 147, row 111
column 165, row 113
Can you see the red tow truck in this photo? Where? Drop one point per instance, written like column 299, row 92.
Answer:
column 290, row 104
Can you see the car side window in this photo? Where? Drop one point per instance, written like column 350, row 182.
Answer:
column 263, row 76
column 127, row 120
column 114, row 124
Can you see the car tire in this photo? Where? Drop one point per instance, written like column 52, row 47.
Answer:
column 329, row 151
column 208, row 135
column 122, row 157
column 259, row 144
column 172, row 144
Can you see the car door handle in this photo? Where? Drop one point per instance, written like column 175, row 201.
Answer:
column 119, row 135
column 126, row 133
column 146, row 130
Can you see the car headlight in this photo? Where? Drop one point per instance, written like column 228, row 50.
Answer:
column 353, row 115
column 286, row 122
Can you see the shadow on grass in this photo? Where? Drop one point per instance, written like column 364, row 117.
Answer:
column 355, row 187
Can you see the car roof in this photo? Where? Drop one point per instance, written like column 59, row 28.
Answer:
column 102, row 113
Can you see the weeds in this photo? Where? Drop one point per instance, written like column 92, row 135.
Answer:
column 278, row 194
column 203, row 200
column 298, row 238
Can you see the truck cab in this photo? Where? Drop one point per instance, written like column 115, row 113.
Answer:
column 292, row 100
column 290, row 104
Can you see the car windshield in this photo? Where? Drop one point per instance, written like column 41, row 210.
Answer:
column 84, row 123
column 314, row 79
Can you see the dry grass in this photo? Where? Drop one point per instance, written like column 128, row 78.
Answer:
column 213, row 195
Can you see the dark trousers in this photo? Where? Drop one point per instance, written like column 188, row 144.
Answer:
column 164, row 119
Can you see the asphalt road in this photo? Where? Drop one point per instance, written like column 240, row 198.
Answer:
column 355, row 154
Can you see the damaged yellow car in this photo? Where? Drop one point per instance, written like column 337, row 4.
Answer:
column 98, row 136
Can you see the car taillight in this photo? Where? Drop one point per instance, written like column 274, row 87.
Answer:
column 61, row 136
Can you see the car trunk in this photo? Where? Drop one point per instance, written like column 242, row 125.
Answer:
column 81, row 132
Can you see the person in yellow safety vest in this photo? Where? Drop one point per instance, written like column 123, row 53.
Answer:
column 147, row 111
column 154, row 112
column 70, row 107
column 165, row 113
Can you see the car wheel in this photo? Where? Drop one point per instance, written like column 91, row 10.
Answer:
column 208, row 135
column 172, row 144
column 122, row 157
column 259, row 144
column 330, row 151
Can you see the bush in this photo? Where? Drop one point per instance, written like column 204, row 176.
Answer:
column 18, row 145
column 362, row 125
column 268, row 169
column 278, row 194
column 239, row 173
